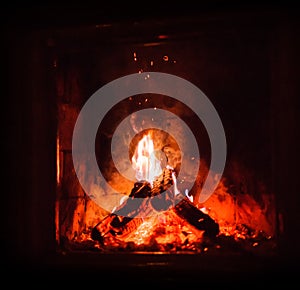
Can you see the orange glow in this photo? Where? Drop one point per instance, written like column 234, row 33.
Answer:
column 58, row 172
column 147, row 167
column 241, row 216
column 162, row 36
column 57, row 161
column 166, row 229
column 165, row 58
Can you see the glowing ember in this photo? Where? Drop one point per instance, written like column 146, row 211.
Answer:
column 144, row 161
column 166, row 229
column 187, row 226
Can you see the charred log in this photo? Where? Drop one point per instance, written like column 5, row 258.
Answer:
column 142, row 199
column 189, row 212
column 145, row 198
column 114, row 226
column 123, row 220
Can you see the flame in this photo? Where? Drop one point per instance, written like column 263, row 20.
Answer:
column 146, row 165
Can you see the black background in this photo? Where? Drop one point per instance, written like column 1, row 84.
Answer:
column 29, row 127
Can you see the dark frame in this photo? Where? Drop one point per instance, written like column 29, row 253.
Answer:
column 29, row 239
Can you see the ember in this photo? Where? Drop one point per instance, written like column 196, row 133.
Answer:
column 157, row 215
column 194, row 221
column 149, row 199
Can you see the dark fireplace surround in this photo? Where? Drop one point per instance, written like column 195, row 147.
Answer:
column 244, row 58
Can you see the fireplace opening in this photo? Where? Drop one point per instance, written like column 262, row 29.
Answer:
column 140, row 159
column 146, row 214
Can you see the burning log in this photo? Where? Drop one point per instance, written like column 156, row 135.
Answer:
column 123, row 220
column 189, row 212
column 158, row 197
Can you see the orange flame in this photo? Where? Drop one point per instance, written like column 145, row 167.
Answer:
column 146, row 165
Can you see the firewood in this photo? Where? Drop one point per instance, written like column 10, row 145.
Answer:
column 189, row 212
column 145, row 198
column 123, row 220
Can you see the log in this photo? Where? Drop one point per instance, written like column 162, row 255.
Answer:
column 194, row 216
column 143, row 199
column 123, row 220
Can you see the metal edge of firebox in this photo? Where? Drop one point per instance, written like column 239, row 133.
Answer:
column 182, row 267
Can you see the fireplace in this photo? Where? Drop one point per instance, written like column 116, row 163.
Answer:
column 68, row 219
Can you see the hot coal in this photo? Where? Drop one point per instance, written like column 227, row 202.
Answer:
column 145, row 198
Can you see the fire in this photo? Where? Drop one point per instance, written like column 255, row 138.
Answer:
column 146, row 165
column 183, row 226
column 166, row 231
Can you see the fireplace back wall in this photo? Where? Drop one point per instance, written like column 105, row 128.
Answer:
column 252, row 60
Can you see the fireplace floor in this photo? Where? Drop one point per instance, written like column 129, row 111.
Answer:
column 167, row 270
